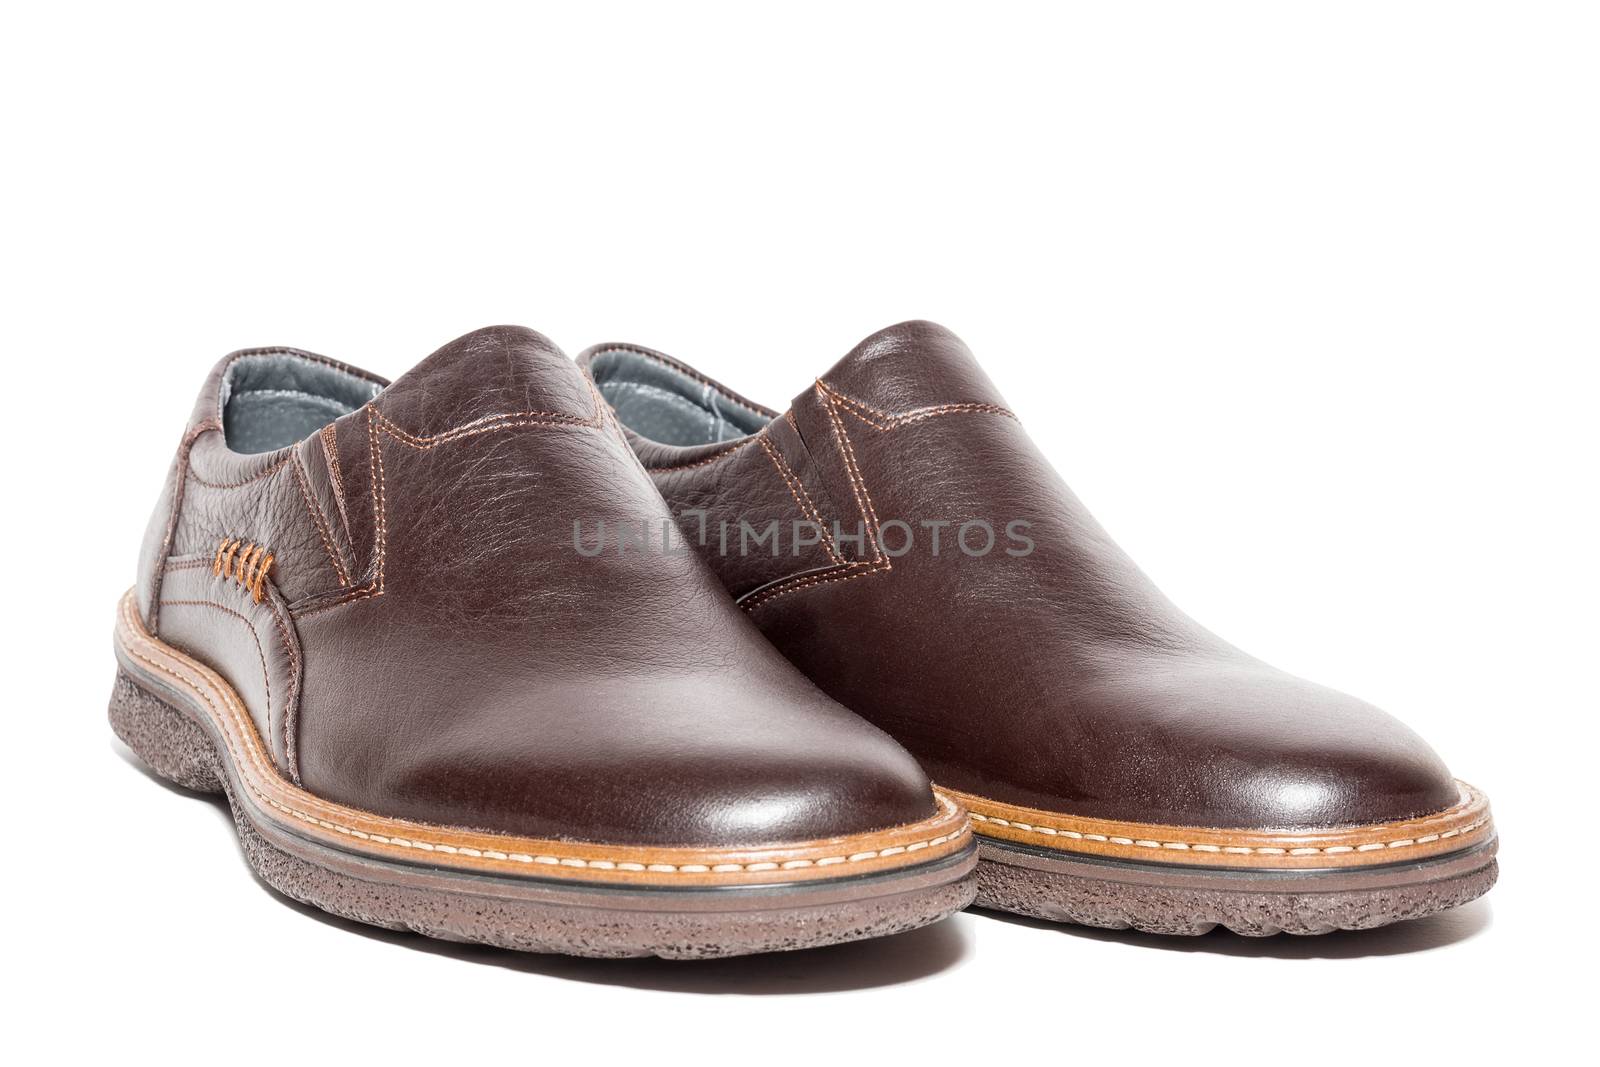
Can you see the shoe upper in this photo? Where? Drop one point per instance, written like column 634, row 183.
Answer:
column 1044, row 670
column 389, row 576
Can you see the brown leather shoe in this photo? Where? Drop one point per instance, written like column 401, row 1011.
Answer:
column 1124, row 766
column 360, row 614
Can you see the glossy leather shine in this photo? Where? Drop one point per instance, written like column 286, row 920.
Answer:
column 432, row 645
column 1060, row 679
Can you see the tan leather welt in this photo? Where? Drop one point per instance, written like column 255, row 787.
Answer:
column 353, row 830
column 1460, row 826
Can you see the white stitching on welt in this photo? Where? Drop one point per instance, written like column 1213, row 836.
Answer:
column 520, row 857
column 1237, row 850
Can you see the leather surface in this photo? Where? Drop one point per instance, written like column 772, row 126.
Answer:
column 253, row 645
column 1059, row 679
column 451, row 656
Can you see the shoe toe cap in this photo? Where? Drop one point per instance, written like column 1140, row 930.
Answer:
column 1251, row 747
column 678, row 765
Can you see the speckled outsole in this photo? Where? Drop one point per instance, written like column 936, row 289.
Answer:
column 1171, row 899
column 530, row 913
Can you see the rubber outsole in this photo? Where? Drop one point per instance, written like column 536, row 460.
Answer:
column 1168, row 899
column 527, row 913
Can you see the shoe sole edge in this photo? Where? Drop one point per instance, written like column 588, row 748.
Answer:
column 1189, row 880
column 529, row 906
column 1172, row 900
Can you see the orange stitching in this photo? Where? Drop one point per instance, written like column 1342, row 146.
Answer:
column 366, row 592
column 832, row 402
column 890, row 421
column 377, row 421
column 234, row 723
column 849, row 471
column 858, row 484
column 869, row 514
column 843, row 574
column 186, row 467
column 380, row 517
column 486, row 424
column 855, row 407
column 423, row 444
column 291, row 711
column 373, row 587
column 247, row 566
column 317, row 519
column 256, row 590
column 250, row 568
column 330, row 455
column 259, row 593
column 952, row 409
column 227, row 558
column 796, row 490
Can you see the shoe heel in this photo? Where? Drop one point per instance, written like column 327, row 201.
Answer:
column 171, row 743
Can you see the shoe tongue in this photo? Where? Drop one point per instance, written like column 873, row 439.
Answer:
column 911, row 366
column 495, row 371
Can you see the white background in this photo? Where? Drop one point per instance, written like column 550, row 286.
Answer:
column 1302, row 299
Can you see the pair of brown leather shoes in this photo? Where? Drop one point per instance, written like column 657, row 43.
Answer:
column 606, row 659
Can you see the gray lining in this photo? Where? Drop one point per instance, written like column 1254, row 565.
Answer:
column 668, row 406
column 274, row 400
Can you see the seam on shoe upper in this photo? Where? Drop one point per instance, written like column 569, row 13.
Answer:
column 180, row 483
column 317, row 518
column 833, row 402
